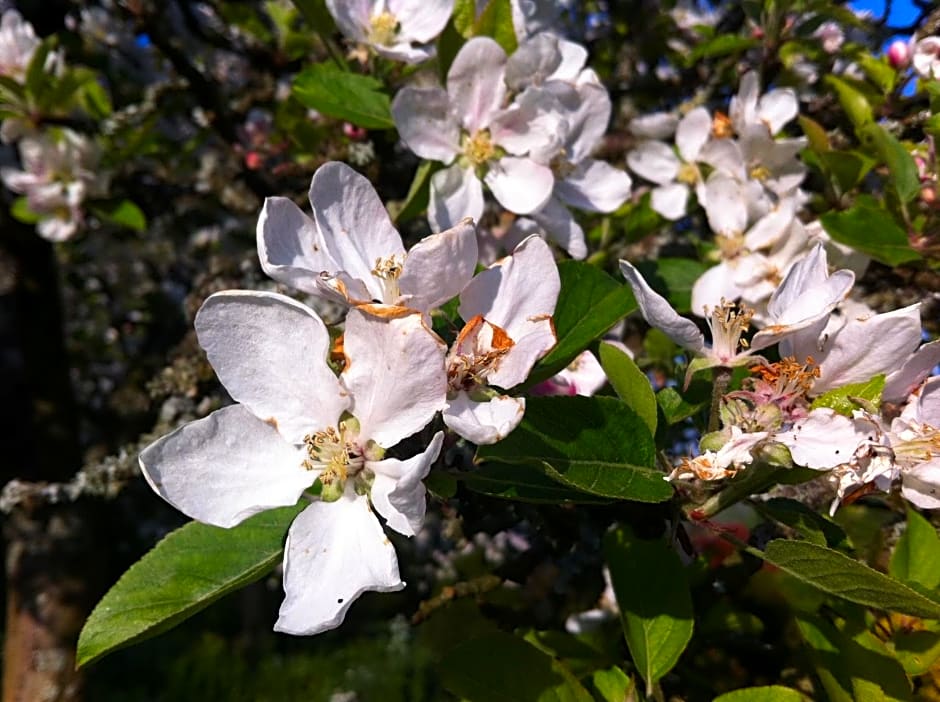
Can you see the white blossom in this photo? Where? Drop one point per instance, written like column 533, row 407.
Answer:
column 397, row 29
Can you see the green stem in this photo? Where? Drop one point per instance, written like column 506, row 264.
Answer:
column 721, row 378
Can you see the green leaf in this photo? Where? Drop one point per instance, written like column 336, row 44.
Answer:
column 721, row 45
column 349, row 96
column 416, row 201
column 837, row 574
column 847, row 167
column 463, row 16
column 854, row 103
column 899, row 161
column 501, row 667
column 767, row 693
column 630, row 383
column 22, row 213
column 853, row 667
column 869, row 228
column 673, row 278
column 37, row 80
column 841, row 399
column 187, row 571
column 496, row 21
column 917, row 651
column 814, row 527
column 590, row 303
column 675, row 408
column 814, row 131
column 613, row 685
column 594, row 444
column 636, row 220
column 123, row 213
column 316, row 15
column 878, row 70
column 655, row 604
column 916, row 557
column 525, row 484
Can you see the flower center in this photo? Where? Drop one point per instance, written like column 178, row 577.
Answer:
column 787, row 378
column 722, row 126
column 760, row 173
column 917, row 443
column 383, row 28
column 479, row 148
column 476, row 354
column 561, row 166
column 728, row 321
column 388, row 270
column 336, row 454
column 688, row 174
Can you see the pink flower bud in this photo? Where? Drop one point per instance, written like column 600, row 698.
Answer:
column 353, row 132
column 899, row 54
column 253, row 160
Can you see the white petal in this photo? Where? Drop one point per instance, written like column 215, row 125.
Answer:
column 483, row 422
column 693, row 131
column 655, row 161
column 587, row 123
column 901, row 382
column 353, row 221
column 823, row 439
column 924, row 408
column 225, row 467
column 290, row 246
column 533, row 62
column 421, row 20
column 335, row 552
column 777, row 108
column 658, row 125
column 352, row 17
column 724, row 155
column 425, row 123
column 809, row 272
column 397, row 491
column 556, row 221
column 725, row 205
column 532, row 123
column 269, row 352
column 659, row 313
column 768, row 230
column 921, row 485
column 394, row 372
column 475, row 82
column 743, row 107
column 405, row 51
column 520, row 184
column 670, row 200
column 456, row 193
column 573, row 58
column 595, row 186
column 715, row 284
column 439, row 267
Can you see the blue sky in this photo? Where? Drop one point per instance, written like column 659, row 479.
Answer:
column 902, row 11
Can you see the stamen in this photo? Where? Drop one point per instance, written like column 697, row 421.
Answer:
column 477, row 353
column 388, row 270
column 728, row 321
column 383, row 28
column 479, row 148
column 688, row 174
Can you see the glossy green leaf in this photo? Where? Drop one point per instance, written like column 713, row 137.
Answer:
column 187, row 571
column 869, row 228
column 853, row 101
column 356, row 98
column 655, row 603
column 594, row 444
column 37, row 78
column 524, row 483
column 917, row 651
column 22, row 213
column 721, row 45
column 814, row 131
column 813, row 526
column 916, row 557
column 899, row 161
column 837, row 574
column 853, row 667
column 590, row 303
column 767, row 693
column 500, row 667
column 675, row 408
column 629, row 382
column 496, row 21
column 847, row 167
column 613, row 685
column 845, row 399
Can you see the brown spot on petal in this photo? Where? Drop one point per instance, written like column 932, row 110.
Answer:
column 501, row 340
column 381, row 311
column 272, row 421
column 722, row 126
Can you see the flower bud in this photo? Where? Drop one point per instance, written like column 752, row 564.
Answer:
column 899, row 54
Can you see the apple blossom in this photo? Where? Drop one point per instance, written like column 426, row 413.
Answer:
column 508, row 313
column 583, row 376
column 723, row 463
column 18, row 43
column 296, row 422
column 392, row 28
column 773, row 110
column 467, row 127
column 926, row 58
column 351, row 253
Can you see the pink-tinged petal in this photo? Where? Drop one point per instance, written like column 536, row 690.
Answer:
column 421, row 20
column 921, row 485
column 353, row 221
column 714, row 285
column 520, row 184
column 928, row 403
column 223, row 468
column 426, row 124
column 352, row 17
column 777, row 108
column 533, row 122
column 533, row 62
column 824, row 439
column 903, row 381
column 693, row 132
column 290, row 247
column 864, row 348
column 517, row 292
column 587, row 115
column 655, row 161
column 725, row 205
column 556, row 221
column 658, row 125
column 335, row 552
column 397, row 491
column 394, row 372
column 475, row 82
column 269, row 352
column 670, row 200
column 659, row 313
column 483, row 422
column 456, row 193
column 595, row 186
column 439, row 267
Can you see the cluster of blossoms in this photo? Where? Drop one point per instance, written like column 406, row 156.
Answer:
column 59, row 167
column 824, row 342
column 297, row 423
